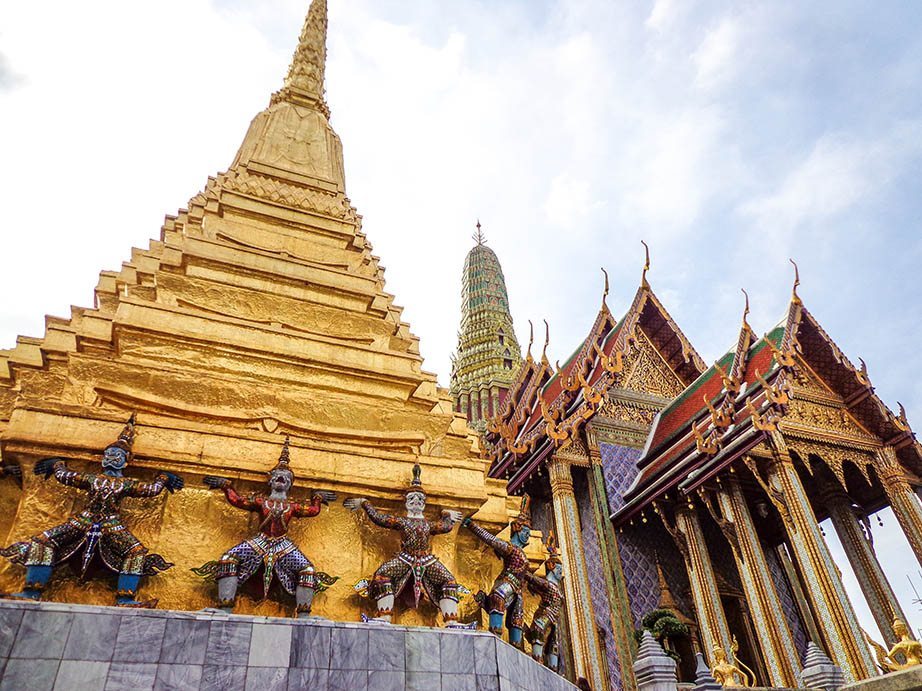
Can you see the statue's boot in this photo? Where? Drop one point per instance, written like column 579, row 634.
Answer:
column 128, row 589
column 304, row 598
column 227, row 592
column 515, row 637
column 537, row 651
column 496, row 623
column 37, row 578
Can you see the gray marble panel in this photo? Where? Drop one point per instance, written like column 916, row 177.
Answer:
column 460, row 682
column 423, row 652
column 312, row 679
column 92, row 637
column 9, row 624
column 387, row 650
column 424, row 681
column 223, row 678
column 178, row 677
column 485, row 655
column 457, row 653
column 34, row 675
column 229, row 642
column 131, row 676
column 348, row 680
column 487, row 682
column 310, row 647
column 387, row 681
column 184, row 642
column 267, row 679
column 139, row 639
column 42, row 635
column 82, row 675
column 349, row 649
column 270, row 645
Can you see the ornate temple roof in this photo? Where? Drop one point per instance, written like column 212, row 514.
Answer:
column 488, row 353
column 547, row 406
column 729, row 409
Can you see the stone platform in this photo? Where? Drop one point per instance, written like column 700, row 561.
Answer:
column 46, row 646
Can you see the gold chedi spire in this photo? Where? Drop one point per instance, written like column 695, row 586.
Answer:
column 308, row 63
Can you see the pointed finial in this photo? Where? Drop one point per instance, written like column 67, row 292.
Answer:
column 531, row 337
column 308, row 64
column 284, row 458
column 746, row 309
column 646, row 266
column 605, row 293
column 547, row 339
column 126, row 437
column 478, row 236
column 795, row 298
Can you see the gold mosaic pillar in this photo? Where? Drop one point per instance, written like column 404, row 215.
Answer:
column 772, row 631
column 588, row 661
column 903, row 500
column 712, row 622
column 836, row 618
column 877, row 591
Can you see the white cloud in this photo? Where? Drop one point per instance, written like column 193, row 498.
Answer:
column 717, row 59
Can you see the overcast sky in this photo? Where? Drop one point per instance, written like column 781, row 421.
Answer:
column 728, row 135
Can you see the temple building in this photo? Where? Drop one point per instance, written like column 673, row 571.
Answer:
column 698, row 491
column 488, row 354
column 254, row 345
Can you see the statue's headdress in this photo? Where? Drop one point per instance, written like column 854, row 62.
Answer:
column 524, row 517
column 416, row 484
column 284, row 459
column 125, row 438
column 553, row 553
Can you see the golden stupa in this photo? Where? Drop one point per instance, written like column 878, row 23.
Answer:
column 260, row 312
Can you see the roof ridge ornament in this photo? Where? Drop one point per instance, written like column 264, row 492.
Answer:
column 646, row 266
column 479, row 237
column 531, row 339
column 605, row 292
column 795, row 298
column 547, row 340
column 746, row 310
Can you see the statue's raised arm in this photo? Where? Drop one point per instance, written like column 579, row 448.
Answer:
column 96, row 532
column 414, row 564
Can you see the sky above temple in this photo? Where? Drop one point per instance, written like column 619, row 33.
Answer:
column 729, row 136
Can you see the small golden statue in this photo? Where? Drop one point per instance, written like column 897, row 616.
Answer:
column 906, row 648
column 726, row 672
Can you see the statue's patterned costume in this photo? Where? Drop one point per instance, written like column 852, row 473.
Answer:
column 97, row 527
column 506, row 593
column 270, row 548
column 415, row 559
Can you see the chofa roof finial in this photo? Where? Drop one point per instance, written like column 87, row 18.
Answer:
column 547, row 339
column 531, row 338
column 605, row 293
column 746, row 309
column 646, row 265
column 794, row 296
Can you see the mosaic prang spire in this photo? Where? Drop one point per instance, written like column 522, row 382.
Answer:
column 488, row 353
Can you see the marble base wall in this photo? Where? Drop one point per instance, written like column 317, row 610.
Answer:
column 46, row 646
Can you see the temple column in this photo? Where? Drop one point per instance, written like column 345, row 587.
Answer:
column 588, row 661
column 772, row 631
column 712, row 622
column 835, row 615
column 903, row 500
column 877, row 591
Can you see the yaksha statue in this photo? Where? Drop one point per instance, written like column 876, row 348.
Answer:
column 270, row 548
column 543, row 633
column 505, row 598
column 415, row 561
column 98, row 529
